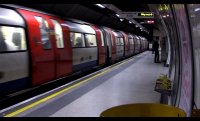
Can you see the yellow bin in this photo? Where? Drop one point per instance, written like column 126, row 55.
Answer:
column 143, row 110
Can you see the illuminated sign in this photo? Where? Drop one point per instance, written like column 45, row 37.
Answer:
column 145, row 14
column 149, row 21
column 163, row 7
column 137, row 14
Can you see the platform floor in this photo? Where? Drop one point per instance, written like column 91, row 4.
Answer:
column 132, row 81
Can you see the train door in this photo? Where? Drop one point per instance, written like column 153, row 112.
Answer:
column 120, row 45
column 139, row 44
column 107, row 44
column 136, row 45
column 111, row 48
column 130, row 39
column 101, row 46
column 113, row 45
column 62, row 45
column 42, row 53
column 133, row 45
column 126, row 45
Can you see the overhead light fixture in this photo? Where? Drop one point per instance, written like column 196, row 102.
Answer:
column 121, row 19
column 117, row 15
column 101, row 6
column 164, row 16
column 197, row 9
column 167, row 15
column 136, row 26
column 130, row 22
column 150, row 22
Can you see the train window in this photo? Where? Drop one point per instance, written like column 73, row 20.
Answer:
column 107, row 39
column 77, row 39
column 59, row 34
column 138, row 41
column 102, row 39
column 90, row 40
column 117, row 41
column 125, row 40
column 131, row 41
column 44, row 31
column 121, row 41
column 12, row 39
column 111, row 39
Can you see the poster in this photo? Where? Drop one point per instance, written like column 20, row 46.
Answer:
column 185, row 102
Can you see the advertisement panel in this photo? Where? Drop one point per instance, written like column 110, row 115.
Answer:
column 185, row 102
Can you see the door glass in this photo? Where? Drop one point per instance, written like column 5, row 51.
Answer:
column 58, row 34
column 44, row 31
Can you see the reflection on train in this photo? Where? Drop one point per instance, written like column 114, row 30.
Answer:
column 36, row 48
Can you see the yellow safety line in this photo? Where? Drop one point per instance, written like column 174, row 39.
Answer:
column 60, row 92
column 53, row 95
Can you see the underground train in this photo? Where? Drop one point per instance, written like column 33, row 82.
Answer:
column 36, row 48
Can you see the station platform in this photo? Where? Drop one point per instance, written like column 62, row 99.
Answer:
column 130, row 81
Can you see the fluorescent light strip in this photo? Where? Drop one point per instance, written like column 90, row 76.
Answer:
column 101, row 6
column 117, row 15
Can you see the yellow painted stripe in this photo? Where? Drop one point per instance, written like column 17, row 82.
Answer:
column 62, row 91
column 53, row 95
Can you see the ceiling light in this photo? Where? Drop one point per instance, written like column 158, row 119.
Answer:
column 197, row 9
column 130, row 22
column 101, row 6
column 121, row 19
column 117, row 15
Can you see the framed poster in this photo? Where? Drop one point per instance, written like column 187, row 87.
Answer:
column 186, row 94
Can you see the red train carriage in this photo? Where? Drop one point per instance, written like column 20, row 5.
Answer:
column 50, row 50
column 36, row 48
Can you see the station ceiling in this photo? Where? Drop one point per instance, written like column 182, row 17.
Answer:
column 93, row 14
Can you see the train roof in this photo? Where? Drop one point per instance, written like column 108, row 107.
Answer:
column 81, row 28
column 118, row 33
column 14, row 6
column 7, row 16
column 130, row 35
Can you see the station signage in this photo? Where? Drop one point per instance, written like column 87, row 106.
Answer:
column 137, row 14
column 146, row 14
